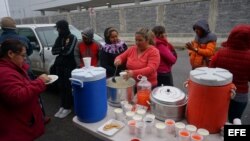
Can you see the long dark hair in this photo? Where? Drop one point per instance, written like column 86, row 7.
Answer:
column 14, row 45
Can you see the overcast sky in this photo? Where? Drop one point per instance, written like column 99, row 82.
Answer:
column 3, row 11
column 4, row 7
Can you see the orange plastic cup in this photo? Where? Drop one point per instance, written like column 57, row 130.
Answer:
column 196, row 137
column 184, row 135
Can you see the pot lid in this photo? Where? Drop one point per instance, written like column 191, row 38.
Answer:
column 211, row 76
column 169, row 95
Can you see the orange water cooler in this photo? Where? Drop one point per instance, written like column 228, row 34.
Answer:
column 209, row 94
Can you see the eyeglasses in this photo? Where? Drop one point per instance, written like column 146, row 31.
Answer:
column 23, row 55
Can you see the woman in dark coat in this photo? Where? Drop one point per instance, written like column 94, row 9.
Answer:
column 113, row 47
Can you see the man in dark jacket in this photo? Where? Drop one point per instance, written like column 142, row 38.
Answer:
column 8, row 26
column 64, row 63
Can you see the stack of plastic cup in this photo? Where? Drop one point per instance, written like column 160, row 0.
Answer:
column 179, row 126
column 160, row 129
column 170, row 125
column 149, row 122
column 140, row 129
column 131, row 127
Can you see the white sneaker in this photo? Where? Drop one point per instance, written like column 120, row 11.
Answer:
column 59, row 112
column 64, row 113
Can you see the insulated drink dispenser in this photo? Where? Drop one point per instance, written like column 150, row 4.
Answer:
column 209, row 94
column 90, row 93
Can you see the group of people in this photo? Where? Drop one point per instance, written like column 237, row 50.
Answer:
column 234, row 56
column 151, row 51
column 151, row 56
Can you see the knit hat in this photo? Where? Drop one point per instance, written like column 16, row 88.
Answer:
column 8, row 22
column 88, row 33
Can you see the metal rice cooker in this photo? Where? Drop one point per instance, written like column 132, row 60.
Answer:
column 168, row 102
column 120, row 90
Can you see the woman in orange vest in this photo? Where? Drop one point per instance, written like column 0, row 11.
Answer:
column 203, row 46
column 87, row 48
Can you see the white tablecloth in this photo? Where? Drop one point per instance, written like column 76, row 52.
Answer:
column 123, row 134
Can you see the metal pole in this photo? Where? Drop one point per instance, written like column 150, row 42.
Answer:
column 6, row 8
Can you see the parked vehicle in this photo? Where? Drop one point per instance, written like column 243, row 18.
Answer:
column 43, row 37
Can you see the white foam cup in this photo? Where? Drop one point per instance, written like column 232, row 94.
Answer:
column 179, row 126
column 118, row 114
column 204, row 133
column 160, row 129
column 191, row 128
column 87, row 61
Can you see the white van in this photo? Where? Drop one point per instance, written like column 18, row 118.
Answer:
column 43, row 37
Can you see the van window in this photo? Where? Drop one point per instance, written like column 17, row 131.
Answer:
column 49, row 34
column 27, row 32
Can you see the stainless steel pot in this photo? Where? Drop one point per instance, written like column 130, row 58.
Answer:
column 120, row 90
column 168, row 103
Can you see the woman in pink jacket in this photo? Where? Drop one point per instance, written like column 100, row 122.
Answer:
column 21, row 117
column 168, row 57
column 142, row 58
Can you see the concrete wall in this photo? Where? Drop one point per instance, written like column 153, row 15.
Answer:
column 177, row 16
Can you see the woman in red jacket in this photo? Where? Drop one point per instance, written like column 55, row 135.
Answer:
column 235, row 57
column 21, row 117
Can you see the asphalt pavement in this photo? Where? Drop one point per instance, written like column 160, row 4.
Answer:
column 65, row 130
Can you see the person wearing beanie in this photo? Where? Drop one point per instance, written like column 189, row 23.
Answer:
column 203, row 46
column 87, row 48
column 235, row 57
column 64, row 63
column 113, row 47
column 8, row 26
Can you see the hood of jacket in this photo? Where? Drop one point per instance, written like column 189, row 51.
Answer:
column 239, row 38
column 208, row 36
column 64, row 28
column 161, row 41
